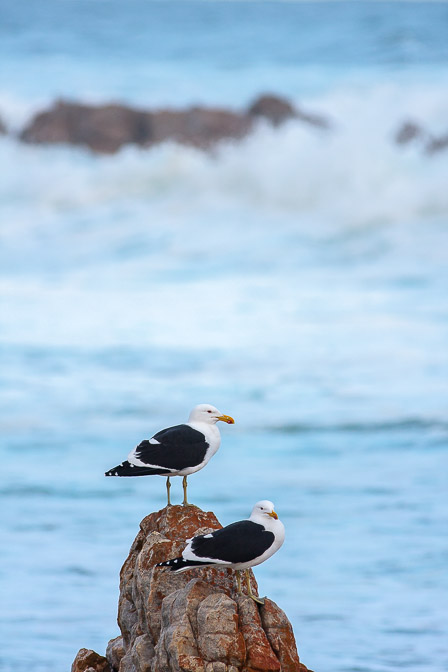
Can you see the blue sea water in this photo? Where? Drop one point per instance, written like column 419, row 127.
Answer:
column 297, row 280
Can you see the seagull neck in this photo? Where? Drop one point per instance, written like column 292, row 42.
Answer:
column 207, row 428
column 267, row 522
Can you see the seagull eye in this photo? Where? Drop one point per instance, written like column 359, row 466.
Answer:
column 208, row 411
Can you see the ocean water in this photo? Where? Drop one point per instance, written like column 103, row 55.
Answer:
column 297, row 280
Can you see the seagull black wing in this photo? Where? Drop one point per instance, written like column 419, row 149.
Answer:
column 126, row 468
column 243, row 541
column 239, row 542
column 176, row 448
column 179, row 447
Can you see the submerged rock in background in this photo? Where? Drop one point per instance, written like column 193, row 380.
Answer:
column 410, row 132
column 189, row 622
column 437, row 144
column 106, row 128
column 103, row 129
column 278, row 110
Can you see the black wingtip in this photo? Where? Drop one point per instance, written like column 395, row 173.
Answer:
column 178, row 564
column 175, row 563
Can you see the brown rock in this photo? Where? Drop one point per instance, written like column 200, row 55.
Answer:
column 103, row 129
column 115, row 652
column 106, row 128
column 280, row 635
column 88, row 661
column 408, row 132
column 198, row 126
column 278, row 110
column 260, row 655
column 431, row 144
column 274, row 109
column 194, row 621
column 219, row 637
column 437, row 144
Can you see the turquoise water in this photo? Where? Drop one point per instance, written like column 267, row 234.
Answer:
column 297, row 281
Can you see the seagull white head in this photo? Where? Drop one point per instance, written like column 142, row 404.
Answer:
column 262, row 509
column 209, row 414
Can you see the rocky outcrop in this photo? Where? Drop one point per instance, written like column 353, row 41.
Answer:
column 278, row 110
column 89, row 661
column 437, row 144
column 190, row 622
column 410, row 132
column 103, row 129
column 106, row 128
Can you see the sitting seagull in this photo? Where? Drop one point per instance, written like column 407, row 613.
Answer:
column 177, row 451
column 240, row 545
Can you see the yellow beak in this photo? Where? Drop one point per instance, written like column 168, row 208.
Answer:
column 227, row 418
column 273, row 515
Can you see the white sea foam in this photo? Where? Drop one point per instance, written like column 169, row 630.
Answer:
column 353, row 174
column 157, row 223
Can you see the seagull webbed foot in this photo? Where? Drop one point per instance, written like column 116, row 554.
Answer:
column 258, row 600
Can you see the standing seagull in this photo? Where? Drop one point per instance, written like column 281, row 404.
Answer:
column 239, row 545
column 177, row 451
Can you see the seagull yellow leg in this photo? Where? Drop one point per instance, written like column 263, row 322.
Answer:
column 184, row 485
column 238, row 581
column 168, row 488
column 249, row 590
